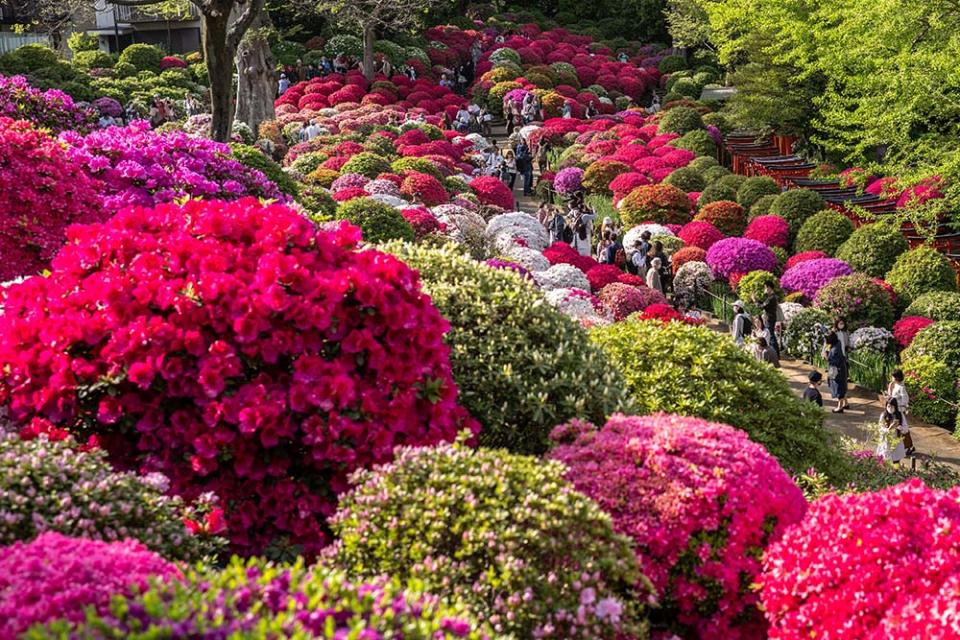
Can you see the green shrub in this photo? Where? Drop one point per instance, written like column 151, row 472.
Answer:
column 680, row 120
column 920, row 271
column 718, row 120
column 288, row 51
column 378, row 221
column 796, row 206
column 92, row 60
column 52, row 486
column 256, row 159
column 697, row 372
column 761, row 207
column 144, row 57
column 660, row 203
column 733, row 180
column 873, row 249
column 343, row 43
column 703, row 163
column 714, row 174
column 932, row 386
column 804, row 335
column 941, row 341
column 257, row 599
column 366, row 164
column 521, row 366
column 687, row 87
column 493, row 530
column 126, row 70
column 755, row 188
column 29, row 58
column 199, row 73
column 307, row 163
column 686, row 179
column 936, row 305
column 751, row 289
column 698, row 141
column 672, row 64
column 824, row 231
column 318, row 202
column 81, row 41
column 857, row 299
column 716, row 192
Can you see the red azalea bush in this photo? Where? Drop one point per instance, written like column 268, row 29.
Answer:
column 660, row 203
column 797, row 258
column 685, row 255
column 237, row 349
column 699, row 233
column 772, row 231
column 864, row 566
column 172, row 62
column 41, row 194
column 666, row 313
column 623, row 299
column 424, row 189
column 729, row 217
column 602, row 275
column 701, row 501
column 423, row 222
column 491, row 190
column 57, row 577
column 906, row 329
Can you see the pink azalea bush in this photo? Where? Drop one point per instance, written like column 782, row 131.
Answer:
column 810, row 276
column 700, row 500
column 492, row 191
column 698, row 233
column 732, row 256
column 772, row 231
column 236, row 349
column 139, row 166
column 803, row 256
column 868, row 566
column 56, row 577
column 41, row 193
column 906, row 329
column 52, row 109
column 620, row 300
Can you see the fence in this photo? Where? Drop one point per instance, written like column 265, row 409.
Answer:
column 869, row 370
column 10, row 41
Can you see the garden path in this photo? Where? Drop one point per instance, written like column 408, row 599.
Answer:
column 859, row 419
column 527, row 204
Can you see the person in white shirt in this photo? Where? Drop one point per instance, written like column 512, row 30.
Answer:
column 740, row 327
column 892, row 432
column 283, row 85
column 898, row 391
column 312, row 131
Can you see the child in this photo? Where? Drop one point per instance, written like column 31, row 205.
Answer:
column 812, row 393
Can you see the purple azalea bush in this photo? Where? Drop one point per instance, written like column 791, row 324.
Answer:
column 568, row 181
column 52, row 109
column 809, row 276
column 739, row 255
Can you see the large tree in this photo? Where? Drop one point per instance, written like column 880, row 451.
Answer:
column 368, row 17
column 224, row 24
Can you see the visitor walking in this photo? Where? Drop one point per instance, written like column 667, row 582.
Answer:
column 898, row 391
column 892, row 431
column 740, row 327
column 543, row 154
column 837, row 374
column 639, row 258
column 653, row 275
column 812, row 393
column 771, row 314
column 283, row 85
column 525, row 166
column 509, row 171
column 567, row 111
column 558, row 227
column 840, row 328
column 582, row 223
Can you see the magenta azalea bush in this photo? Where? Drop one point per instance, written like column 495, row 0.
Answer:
column 739, row 256
column 51, row 109
column 41, row 194
column 568, row 181
column 236, row 349
column 620, row 299
column 809, row 276
column 139, row 166
column 868, row 566
column 772, row 231
column 700, row 500
column 57, row 577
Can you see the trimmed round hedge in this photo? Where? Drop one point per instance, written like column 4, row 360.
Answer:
column 755, row 188
column 936, row 305
column 521, row 366
column 366, row 164
column 256, row 159
column 858, row 300
column 941, row 341
column 920, row 271
column 873, row 249
column 761, row 207
column 796, row 206
column 716, row 191
column 686, row 179
column 494, row 530
column 729, row 217
column 680, row 120
column 932, row 386
column 379, row 222
column 660, row 203
column 823, row 231
column 695, row 371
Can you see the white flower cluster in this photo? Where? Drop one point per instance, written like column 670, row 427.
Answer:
column 874, row 339
column 790, row 311
column 463, row 226
column 529, row 259
column 503, row 229
column 633, row 235
column 692, row 278
column 577, row 304
column 562, row 276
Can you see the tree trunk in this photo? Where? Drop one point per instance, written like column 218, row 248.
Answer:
column 220, row 70
column 369, row 37
column 256, row 76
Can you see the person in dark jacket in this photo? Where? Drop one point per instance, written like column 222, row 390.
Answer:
column 837, row 375
column 812, row 393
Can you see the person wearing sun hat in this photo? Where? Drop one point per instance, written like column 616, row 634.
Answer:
column 740, row 327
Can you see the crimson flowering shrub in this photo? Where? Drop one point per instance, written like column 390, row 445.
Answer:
column 423, row 222
column 700, row 500
column 178, row 346
column 424, row 189
column 492, row 191
column 139, row 166
column 729, row 217
column 57, row 577
column 623, row 299
column 810, row 276
column 660, row 203
column 906, row 329
column 739, row 256
column 699, row 233
column 772, row 231
column 871, row 565
column 51, row 109
column 41, row 194
column 803, row 256
column 602, row 275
